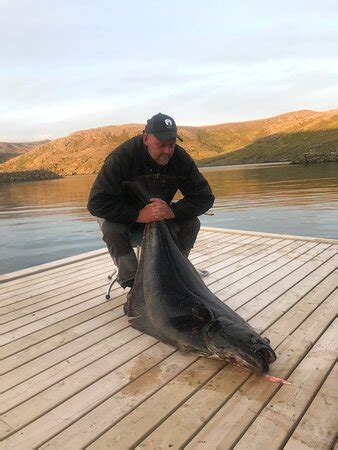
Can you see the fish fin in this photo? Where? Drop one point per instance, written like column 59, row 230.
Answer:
column 186, row 323
column 142, row 324
column 192, row 318
column 196, row 351
column 136, row 303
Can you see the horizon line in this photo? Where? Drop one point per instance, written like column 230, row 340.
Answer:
column 25, row 141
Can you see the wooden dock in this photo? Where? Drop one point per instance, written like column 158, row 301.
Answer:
column 75, row 375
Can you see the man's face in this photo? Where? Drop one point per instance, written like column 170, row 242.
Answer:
column 160, row 151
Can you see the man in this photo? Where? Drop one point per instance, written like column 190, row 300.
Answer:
column 163, row 167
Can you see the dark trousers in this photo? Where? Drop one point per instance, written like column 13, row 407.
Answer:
column 118, row 238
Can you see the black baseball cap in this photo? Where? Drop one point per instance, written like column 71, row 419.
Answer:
column 163, row 127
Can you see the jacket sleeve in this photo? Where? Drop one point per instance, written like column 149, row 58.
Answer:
column 107, row 198
column 197, row 194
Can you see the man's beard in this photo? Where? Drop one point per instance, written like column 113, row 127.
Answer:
column 163, row 160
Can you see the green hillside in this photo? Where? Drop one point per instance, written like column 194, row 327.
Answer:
column 300, row 147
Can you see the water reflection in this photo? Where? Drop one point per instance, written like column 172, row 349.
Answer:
column 274, row 185
column 46, row 220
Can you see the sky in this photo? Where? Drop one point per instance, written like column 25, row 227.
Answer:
column 78, row 64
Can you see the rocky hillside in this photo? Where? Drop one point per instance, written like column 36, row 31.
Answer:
column 9, row 150
column 296, row 136
column 300, row 137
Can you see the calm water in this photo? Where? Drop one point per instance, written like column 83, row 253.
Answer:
column 47, row 220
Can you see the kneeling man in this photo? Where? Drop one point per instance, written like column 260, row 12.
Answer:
column 163, row 167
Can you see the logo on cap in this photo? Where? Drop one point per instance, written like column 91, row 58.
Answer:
column 168, row 122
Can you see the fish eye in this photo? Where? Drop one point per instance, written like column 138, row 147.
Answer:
column 254, row 340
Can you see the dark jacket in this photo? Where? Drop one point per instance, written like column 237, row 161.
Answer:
column 131, row 161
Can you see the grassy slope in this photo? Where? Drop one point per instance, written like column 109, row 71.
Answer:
column 285, row 137
column 314, row 137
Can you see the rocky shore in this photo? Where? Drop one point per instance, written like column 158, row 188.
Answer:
column 310, row 158
column 37, row 175
column 27, row 175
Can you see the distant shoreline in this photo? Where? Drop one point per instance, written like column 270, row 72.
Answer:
column 27, row 175
column 234, row 166
column 40, row 175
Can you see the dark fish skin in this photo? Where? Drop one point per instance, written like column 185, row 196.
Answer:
column 170, row 301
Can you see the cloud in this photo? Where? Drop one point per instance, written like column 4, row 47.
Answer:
column 72, row 65
column 198, row 94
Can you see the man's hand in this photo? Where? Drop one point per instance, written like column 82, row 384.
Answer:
column 155, row 211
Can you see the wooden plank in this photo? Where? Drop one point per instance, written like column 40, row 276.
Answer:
column 52, row 283
column 92, row 394
column 120, row 402
column 132, row 427
column 52, row 330
column 266, row 280
column 22, row 372
column 228, row 249
column 60, row 270
column 63, row 353
column 289, row 307
column 258, row 245
column 41, row 348
column 31, row 280
column 202, row 254
column 270, row 274
column 190, row 416
column 212, row 238
column 307, row 275
column 42, row 267
column 67, row 367
column 225, row 289
column 238, row 267
column 225, row 249
column 61, row 262
column 317, row 295
column 235, row 255
column 62, row 303
column 278, row 303
column 257, row 270
column 227, row 425
column 181, row 383
column 289, row 403
column 316, row 430
column 77, row 382
column 53, row 277
column 39, row 298
column 42, row 294
column 35, row 324
column 88, row 289
column 13, row 378
column 38, row 325
column 142, row 418
column 260, row 233
column 43, row 304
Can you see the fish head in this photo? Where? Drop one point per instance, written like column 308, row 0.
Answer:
column 239, row 344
